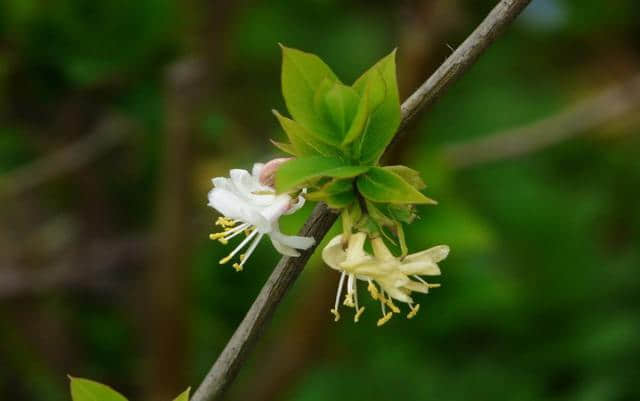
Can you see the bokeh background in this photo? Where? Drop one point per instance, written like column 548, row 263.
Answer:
column 115, row 114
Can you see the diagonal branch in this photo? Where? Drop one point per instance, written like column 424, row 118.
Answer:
column 112, row 130
column 588, row 114
column 226, row 367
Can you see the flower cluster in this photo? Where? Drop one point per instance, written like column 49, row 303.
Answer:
column 337, row 135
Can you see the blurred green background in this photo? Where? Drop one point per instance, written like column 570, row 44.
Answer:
column 115, row 114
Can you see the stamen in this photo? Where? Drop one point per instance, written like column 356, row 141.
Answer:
column 348, row 300
column 359, row 311
column 384, row 319
column 237, row 266
column 436, row 285
column 225, row 222
column 245, row 256
column 373, row 290
column 335, row 307
column 392, row 306
column 414, row 310
column 355, row 294
column 238, row 248
column 224, row 234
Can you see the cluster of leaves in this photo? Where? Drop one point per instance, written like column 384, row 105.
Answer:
column 338, row 134
column 89, row 390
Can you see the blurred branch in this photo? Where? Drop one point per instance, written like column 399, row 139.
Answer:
column 109, row 132
column 185, row 88
column 586, row 115
column 460, row 60
column 87, row 269
column 226, row 367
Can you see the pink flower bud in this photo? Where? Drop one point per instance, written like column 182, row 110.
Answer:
column 268, row 173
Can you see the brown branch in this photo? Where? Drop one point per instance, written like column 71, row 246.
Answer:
column 586, row 115
column 166, row 287
column 109, row 132
column 226, row 367
column 461, row 59
column 91, row 268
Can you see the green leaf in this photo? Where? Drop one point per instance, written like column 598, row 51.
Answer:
column 337, row 194
column 341, row 103
column 378, row 216
column 385, row 112
column 302, row 74
column 340, row 200
column 409, row 175
column 285, row 147
column 300, row 171
column 383, row 186
column 184, row 396
column 404, row 213
column 88, row 390
column 304, row 141
column 360, row 119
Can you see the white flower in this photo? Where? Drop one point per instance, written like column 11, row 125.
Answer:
column 250, row 206
column 391, row 274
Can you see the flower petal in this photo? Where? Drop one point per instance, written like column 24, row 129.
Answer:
column 417, row 287
column 231, row 206
column 257, row 169
column 333, row 254
column 426, row 268
column 435, row 254
column 293, row 241
column 283, row 249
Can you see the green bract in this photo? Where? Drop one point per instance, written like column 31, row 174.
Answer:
column 338, row 133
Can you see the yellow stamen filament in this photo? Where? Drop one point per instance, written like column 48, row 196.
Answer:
column 336, row 314
column 414, row 311
column 356, row 318
column 392, row 306
column 373, row 290
column 348, row 300
column 420, row 279
column 384, row 319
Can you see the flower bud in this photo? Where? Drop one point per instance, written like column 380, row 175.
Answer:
column 268, row 173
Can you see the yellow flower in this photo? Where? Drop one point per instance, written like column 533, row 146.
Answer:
column 389, row 277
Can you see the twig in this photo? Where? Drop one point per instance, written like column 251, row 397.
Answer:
column 586, row 115
column 228, row 363
column 89, row 269
column 461, row 59
column 109, row 133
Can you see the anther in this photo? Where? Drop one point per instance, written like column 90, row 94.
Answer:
column 348, row 300
column 356, row 318
column 384, row 319
column 237, row 266
column 336, row 314
column 414, row 311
